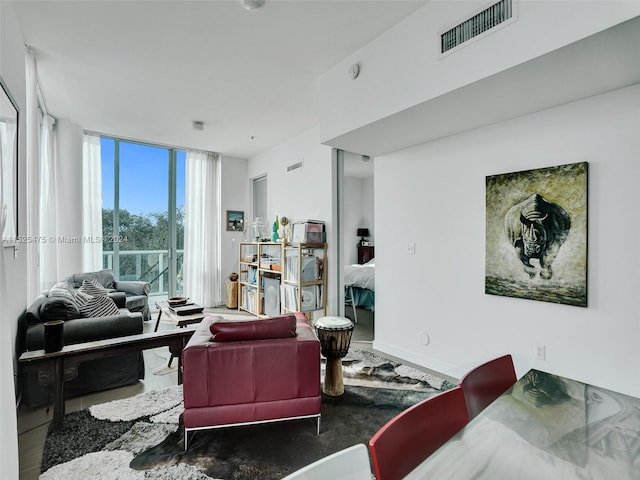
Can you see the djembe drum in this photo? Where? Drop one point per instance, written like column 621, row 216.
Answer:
column 334, row 334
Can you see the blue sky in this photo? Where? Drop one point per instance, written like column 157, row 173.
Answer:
column 144, row 173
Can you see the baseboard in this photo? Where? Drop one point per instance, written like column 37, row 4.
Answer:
column 437, row 367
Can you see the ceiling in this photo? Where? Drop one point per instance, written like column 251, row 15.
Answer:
column 145, row 70
column 599, row 63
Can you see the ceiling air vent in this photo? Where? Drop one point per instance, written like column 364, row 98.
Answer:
column 476, row 25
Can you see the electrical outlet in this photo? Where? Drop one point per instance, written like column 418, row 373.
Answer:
column 541, row 352
column 411, row 248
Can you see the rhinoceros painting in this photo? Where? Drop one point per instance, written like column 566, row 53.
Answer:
column 536, row 234
column 537, row 229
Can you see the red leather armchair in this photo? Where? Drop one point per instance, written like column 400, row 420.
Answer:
column 246, row 372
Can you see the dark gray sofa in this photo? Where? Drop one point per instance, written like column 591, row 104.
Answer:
column 91, row 376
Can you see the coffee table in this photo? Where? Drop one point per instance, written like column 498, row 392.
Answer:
column 179, row 320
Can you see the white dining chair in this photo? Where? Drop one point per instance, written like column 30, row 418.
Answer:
column 349, row 464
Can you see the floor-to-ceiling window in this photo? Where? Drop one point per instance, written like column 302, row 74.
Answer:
column 143, row 213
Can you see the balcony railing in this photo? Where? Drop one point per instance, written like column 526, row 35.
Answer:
column 146, row 265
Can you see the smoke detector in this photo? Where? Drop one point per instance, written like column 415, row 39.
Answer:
column 354, row 71
column 197, row 125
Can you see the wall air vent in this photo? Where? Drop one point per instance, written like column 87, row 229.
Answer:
column 294, row 166
column 479, row 23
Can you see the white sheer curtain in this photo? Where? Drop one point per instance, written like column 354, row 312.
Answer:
column 48, row 218
column 201, row 265
column 91, row 203
column 8, row 420
column 31, row 116
column 41, row 205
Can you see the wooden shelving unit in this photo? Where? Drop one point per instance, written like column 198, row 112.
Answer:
column 260, row 273
column 304, row 278
column 277, row 278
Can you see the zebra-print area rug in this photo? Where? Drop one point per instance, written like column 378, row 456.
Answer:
column 140, row 437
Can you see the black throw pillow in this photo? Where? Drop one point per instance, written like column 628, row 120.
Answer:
column 59, row 308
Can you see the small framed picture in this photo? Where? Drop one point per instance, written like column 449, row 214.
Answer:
column 235, row 221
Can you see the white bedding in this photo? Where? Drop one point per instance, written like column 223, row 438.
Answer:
column 362, row 276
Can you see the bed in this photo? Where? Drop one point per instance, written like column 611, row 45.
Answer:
column 361, row 280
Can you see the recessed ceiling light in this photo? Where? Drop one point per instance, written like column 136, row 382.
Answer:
column 198, row 125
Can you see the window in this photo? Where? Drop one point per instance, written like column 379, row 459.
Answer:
column 143, row 213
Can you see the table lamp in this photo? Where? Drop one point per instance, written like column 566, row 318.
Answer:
column 362, row 232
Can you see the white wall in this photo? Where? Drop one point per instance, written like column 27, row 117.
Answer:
column 12, row 267
column 440, row 187
column 301, row 194
column 437, row 187
column 368, row 212
column 234, row 197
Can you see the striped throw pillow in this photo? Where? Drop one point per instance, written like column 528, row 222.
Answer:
column 96, row 306
column 92, row 287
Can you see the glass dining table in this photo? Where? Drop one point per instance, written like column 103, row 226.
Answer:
column 544, row 427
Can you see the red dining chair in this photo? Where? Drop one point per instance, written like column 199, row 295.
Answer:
column 414, row 434
column 486, row 382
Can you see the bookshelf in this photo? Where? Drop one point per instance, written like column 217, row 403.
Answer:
column 276, row 278
column 260, row 278
column 304, row 278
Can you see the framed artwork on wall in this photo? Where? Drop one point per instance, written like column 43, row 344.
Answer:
column 235, row 221
column 536, row 234
column 8, row 165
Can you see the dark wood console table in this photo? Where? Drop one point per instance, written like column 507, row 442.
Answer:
column 73, row 355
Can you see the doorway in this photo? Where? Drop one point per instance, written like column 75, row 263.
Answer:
column 260, row 198
column 356, row 237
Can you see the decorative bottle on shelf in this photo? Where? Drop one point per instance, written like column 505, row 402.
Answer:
column 257, row 229
column 274, row 232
